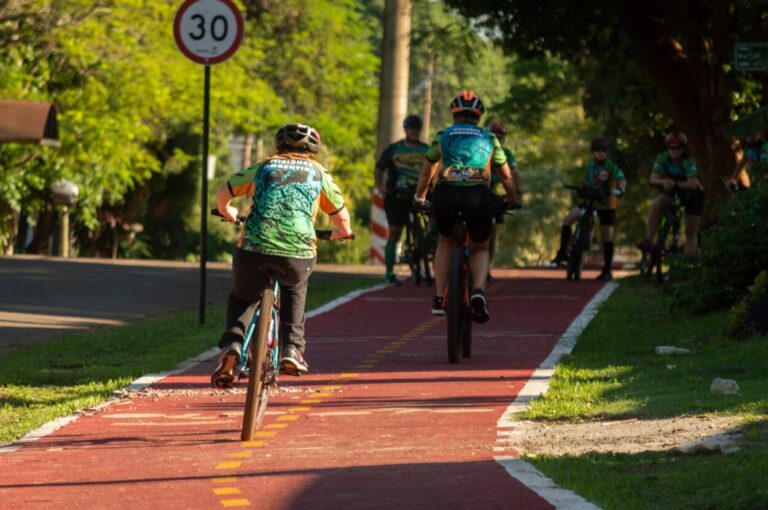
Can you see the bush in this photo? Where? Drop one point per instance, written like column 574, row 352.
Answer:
column 732, row 254
column 750, row 316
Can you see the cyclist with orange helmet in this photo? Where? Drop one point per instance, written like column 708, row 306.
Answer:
column 401, row 164
column 286, row 191
column 460, row 159
column 675, row 172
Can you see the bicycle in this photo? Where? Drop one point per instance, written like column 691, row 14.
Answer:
column 667, row 242
column 458, row 312
column 418, row 252
column 260, row 357
column 582, row 237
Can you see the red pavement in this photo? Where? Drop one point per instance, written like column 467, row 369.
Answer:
column 382, row 422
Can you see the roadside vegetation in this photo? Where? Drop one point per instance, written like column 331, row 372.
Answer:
column 614, row 374
column 41, row 383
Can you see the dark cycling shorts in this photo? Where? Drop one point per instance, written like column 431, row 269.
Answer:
column 693, row 202
column 607, row 217
column 475, row 201
column 397, row 205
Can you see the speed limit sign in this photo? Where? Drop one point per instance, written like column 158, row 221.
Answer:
column 208, row 31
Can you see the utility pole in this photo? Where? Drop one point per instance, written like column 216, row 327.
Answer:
column 393, row 91
column 427, row 112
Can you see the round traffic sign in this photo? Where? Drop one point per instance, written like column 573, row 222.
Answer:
column 208, row 31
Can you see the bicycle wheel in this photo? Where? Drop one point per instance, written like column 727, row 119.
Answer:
column 660, row 250
column 421, row 252
column 466, row 320
column 575, row 262
column 258, row 391
column 455, row 304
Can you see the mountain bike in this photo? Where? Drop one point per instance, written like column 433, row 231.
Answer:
column 582, row 237
column 260, row 358
column 458, row 312
column 418, row 251
column 667, row 242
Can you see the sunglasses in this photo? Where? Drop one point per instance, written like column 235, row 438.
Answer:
column 675, row 148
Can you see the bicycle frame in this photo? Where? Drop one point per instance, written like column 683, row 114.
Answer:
column 273, row 342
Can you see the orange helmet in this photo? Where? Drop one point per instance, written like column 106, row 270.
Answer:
column 468, row 102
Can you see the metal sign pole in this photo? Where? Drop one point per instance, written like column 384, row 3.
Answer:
column 204, row 177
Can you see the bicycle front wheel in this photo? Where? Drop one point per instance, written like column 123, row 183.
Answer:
column 455, row 305
column 660, row 251
column 466, row 320
column 258, row 391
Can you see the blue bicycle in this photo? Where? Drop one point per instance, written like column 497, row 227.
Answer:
column 260, row 358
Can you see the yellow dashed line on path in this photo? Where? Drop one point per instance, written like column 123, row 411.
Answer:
column 288, row 417
column 230, row 464
column 277, row 425
column 265, row 433
column 298, row 409
column 321, row 394
column 252, row 444
column 229, row 503
column 226, row 491
column 241, row 455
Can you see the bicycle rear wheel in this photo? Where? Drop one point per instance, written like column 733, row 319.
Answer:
column 455, row 305
column 466, row 320
column 258, row 392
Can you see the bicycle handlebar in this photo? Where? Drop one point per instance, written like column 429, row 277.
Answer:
column 324, row 235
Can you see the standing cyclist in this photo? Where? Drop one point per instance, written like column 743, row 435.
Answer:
column 402, row 162
column 600, row 174
column 462, row 157
column 674, row 171
column 286, row 191
column 497, row 189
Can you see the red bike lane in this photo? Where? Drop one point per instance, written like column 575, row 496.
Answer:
column 382, row 421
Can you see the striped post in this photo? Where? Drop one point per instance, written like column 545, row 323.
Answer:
column 379, row 228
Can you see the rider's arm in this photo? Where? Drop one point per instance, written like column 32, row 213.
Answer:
column 658, row 179
column 428, row 170
column 240, row 184
column 505, row 176
column 691, row 183
column 223, row 198
column 332, row 203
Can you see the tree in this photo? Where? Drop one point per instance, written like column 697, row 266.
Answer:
column 684, row 47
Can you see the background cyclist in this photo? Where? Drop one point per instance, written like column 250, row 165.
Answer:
column 600, row 173
column 752, row 166
column 461, row 158
column 674, row 171
column 499, row 195
column 286, row 191
column 401, row 162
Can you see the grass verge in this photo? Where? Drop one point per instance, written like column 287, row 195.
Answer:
column 45, row 382
column 613, row 373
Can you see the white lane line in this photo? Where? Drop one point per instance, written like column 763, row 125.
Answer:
column 537, row 386
column 146, row 380
column 535, row 480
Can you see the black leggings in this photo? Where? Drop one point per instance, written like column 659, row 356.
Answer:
column 475, row 201
column 247, row 284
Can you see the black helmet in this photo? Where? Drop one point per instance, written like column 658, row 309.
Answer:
column 297, row 136
column 468, row 102
column 599, row 144
column 412, row 121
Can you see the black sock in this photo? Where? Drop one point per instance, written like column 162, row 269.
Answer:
column 608, row 255
column 565, row 237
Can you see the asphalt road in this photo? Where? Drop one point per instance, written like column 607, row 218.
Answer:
column 42, row 298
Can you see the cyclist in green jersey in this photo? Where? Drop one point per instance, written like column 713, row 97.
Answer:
column 461, row 158
column 675, row 172
column 499, row 195
column 752, row 165
column 401, row 163
column 600, row 174
column 286, row 191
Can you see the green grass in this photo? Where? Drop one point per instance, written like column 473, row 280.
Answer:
column 41, row 383
column 614, row 373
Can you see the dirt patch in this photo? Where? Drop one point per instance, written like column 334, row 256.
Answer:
column 686, row 433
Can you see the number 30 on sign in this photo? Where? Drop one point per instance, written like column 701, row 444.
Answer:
column 208, row 31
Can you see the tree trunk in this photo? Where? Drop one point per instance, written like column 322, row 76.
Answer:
column 693, row 87
column 46, row 222
column 427, row 112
